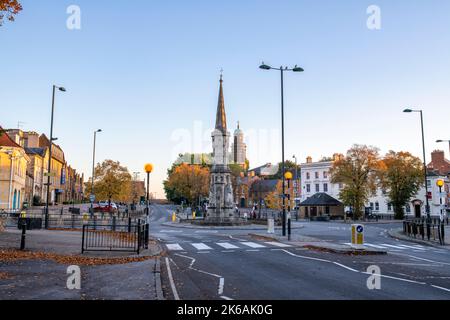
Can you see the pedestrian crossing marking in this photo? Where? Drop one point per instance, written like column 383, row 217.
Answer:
column 392, row 246
column 174, row 247
column 374, row 246
column 201, row 246
column 278, row 244
column 411, row 247
column 253, row 245
column 227, row 245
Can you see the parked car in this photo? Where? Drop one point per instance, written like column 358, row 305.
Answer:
column 104, row 206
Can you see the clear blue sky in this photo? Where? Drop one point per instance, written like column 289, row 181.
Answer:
column 144, row 71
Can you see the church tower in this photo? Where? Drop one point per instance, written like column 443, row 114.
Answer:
column 221, row 203
column 238, row 148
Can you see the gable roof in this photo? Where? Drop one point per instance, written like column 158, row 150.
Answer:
column 6, row 141
column 264, row 185
column 36, row 151
column 321, row 199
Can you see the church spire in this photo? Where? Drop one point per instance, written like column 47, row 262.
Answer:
column 221, row 119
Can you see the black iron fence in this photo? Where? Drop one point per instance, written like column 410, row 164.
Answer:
column 432, row 229
column 131, row 238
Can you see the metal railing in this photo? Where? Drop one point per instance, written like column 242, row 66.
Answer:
column 132, row 238
column 432, row 229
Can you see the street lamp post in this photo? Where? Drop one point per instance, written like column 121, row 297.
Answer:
column 92, row 198
column 297, row 182
column 282, row 70
column 427, row 208
column 440, row 183
column 62, row 89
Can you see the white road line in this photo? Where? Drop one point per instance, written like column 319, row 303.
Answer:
column 343, row 266
column 228, row 251
column 437, row 287
column 206, row 231
column 201, row 246
column 278, row 244
column 391, row 246
column 225, row 298
column 174, row 247
column 221, row 283
column 252, row 250
column 411, row 247
column 374, row 246
column 253, row 245
column 227, row 245
column 172, row 283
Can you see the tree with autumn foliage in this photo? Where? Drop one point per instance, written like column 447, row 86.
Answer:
column 112, row 182
column 358, row 172
column 8, row 9
column 190, row 182
column 401, row 177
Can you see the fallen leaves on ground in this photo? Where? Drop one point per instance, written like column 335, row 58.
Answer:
column 5, row 276
column 10, row 255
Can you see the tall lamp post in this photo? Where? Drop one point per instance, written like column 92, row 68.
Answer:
column 148, row 169
column 440, row 183
column 92, row 197
column 427, row 208
column 288, row 177
column 439, row 141
column 282, row 70
column 297, row 182
column 49, row 168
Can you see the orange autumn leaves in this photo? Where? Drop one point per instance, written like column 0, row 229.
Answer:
column 190, row 181
column 8, row 9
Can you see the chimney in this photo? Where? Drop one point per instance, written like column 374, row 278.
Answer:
column 437, row 157
column 308, row 160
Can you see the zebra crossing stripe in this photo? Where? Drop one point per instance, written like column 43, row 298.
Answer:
column 201, row 246
column 374, row 246
column 174, row 247
column 411, row 247
column 391, row 246
column 227, row 245
column 253, row 245
column 278, row 244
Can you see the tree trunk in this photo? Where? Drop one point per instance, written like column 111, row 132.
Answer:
column 399, row 214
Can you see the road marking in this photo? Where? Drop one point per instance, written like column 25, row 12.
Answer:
column 174, row 247
column 374, row 246
column 253, row 245
column 172, row 283
column 228, row 251
column 201, row 246
column 278, row 244
column 227, row 245
column 221, row 283
column 437, row 287
column 391, row 246
column 423, row 259
column 411, row 247
column 225, row 298
column 171, row 231
column 343, row 266
column 252, row 250
column 206, row 231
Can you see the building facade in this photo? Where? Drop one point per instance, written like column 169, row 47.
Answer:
column 238, row 147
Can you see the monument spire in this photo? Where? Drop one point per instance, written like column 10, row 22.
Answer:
column 221, row 119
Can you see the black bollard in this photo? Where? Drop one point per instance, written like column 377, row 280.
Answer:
column 24, row 231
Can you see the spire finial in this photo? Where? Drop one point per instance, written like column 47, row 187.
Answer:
column 238, row 125
column 221, row 74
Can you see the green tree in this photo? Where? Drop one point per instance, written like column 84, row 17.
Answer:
column 8, row 10
column 358, row 171
column 401, row 177
column 112, row 182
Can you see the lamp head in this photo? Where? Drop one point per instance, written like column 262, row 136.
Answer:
column 288, row 175
column 440, row 183
column 407, row 111
column 264, row 66
column 438, row 141
column 148, row 168
column 297, row 69
column 62, row 89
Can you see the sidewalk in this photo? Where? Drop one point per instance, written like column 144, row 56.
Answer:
column 244, row 227
column 40, row 272
column 298, row 240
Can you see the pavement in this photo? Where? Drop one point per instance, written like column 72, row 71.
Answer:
column 242, row 264
column 399, row 234
column 40, row 273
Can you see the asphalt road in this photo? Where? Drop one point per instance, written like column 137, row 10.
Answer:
column 229, row 264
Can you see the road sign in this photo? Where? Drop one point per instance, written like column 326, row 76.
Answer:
column 92, row 197
column 49, row 174
column 357, row 236
column 270, row 225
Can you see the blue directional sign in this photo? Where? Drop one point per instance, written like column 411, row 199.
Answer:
column 360, row 229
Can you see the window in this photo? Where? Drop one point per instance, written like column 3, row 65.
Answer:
column 325, row 187
column 308, row 188
column 377, row 206
column 341, row 185
column 327, row 210
column 317, row 175
column 317, row 187
column 325, row 175
column 389, row 206
column 308, row 176
column 428, row 183
column 408, row 208
column 371, row 205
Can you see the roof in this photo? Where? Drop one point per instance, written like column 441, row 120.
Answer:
column 264, row 185
column 36, row 151
column 221, row 119
column 321, row 199
column 6, row 141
